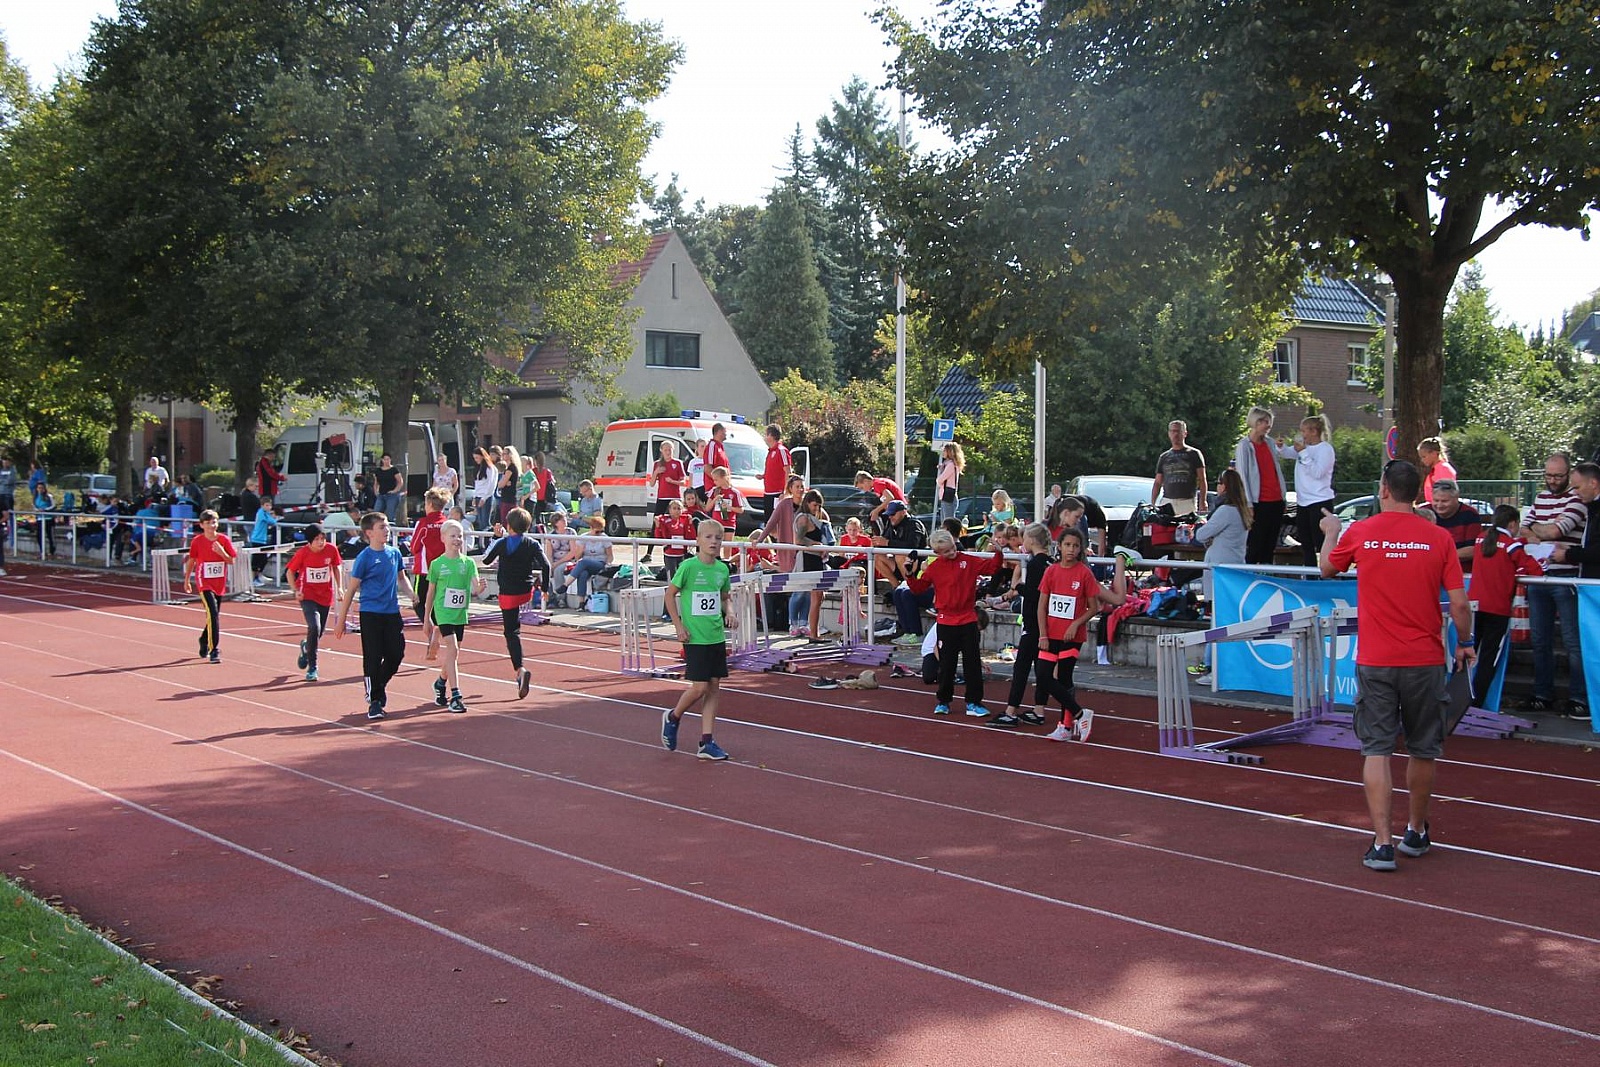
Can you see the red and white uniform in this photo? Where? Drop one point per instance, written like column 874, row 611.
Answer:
column 317, row 570
column 776, row 473
column 855, row 541
column 1494, row 578
column 682, row 526
column 669, row 479
column 1067, row 594
column 1402, row 561
column 427, row 542
column 210, row 560
column 880, row 486
column 729, row 502
column 955, row 585
column 716, row 456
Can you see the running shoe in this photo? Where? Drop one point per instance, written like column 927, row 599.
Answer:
column 1060, row 733
column 712, row 751
column 375, row 712
column 977, row 711
column 456, row 705
column 439, row 698
column 524, row 679
column 304, row 659
column 311, row 674
column 941, row 709
column 1577, row 709
column 1081, row 728
column 908, row 640
column 669, row 732
column 1032, row 718
column 1005, row 720
column 1199, row 670
column 1415, row 844
column 1379, row 858
column 215, row 657
column 821, row 682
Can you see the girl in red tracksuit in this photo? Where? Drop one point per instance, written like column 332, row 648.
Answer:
column 1069, row 596
column 953, row 576
column 1498, row 560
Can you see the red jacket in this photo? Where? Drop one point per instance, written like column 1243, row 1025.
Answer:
column 955, row 585
column 427, row 542
column 1494, row 578
column 270, row 478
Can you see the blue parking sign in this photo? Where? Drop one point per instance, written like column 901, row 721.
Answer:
column 944, row 430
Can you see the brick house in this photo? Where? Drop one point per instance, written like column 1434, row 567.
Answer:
column 1325, row 349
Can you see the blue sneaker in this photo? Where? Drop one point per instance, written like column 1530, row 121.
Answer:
column 304, row 659
column 977, row 711
column 669, row 732
column 1415, row 844
column 1379, row 858
column 439, row 698
column 311, row 674
column 375, row 712
column 941, row 709
column 712, row 750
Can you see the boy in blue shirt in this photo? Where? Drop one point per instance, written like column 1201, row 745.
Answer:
column 260, row 537
column 377, row 574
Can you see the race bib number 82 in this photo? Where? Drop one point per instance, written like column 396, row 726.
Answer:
column 704, row 604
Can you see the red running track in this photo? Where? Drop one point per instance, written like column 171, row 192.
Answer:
column 537, row 882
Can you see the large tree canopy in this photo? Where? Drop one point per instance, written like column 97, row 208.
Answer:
column 1094, row 141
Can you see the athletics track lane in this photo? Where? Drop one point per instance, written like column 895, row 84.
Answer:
column 1203, row 995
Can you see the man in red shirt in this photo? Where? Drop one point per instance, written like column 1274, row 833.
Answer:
column 268, row 475
column 716, row 456
column 1402, row 561
column 775, row 476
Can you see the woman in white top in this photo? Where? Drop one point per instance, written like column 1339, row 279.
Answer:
column 483, row 479
column 444, row 477
column 1313, row 482
column 951, row 465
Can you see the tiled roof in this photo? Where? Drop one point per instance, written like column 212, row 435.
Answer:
column 632, row 272
column 1334, row 302
column 960, row 393
column 1586, row 338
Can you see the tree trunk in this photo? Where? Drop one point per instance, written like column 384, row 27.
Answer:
column 120, row 448
column 1419, row 353
column 246, row 424
column 396, row 394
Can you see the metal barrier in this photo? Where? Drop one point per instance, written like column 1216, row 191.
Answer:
column 161, row 577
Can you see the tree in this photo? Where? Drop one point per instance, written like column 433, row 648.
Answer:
column 1475, row 349
column 1095, row 140
column 839, row 428
column 783, row 319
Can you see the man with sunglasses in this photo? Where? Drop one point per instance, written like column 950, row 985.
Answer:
column 1557, row 517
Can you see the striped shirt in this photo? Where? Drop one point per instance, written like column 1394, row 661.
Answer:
column 1569, row 515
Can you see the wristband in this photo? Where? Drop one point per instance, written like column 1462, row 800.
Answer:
column 1466, row 642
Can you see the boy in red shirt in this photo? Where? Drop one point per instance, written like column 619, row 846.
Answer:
column 953, row 576
column 1069, row 596
column 209, row 555
column 427, row 545
column 725, row 502
column 716, row 456
column 855, row 537
column 775, row 475
column 315, row 571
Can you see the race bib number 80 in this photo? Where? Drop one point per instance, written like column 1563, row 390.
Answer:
column 212, row 568
column 704, row 604
column 1062, row 606
column 455, row 599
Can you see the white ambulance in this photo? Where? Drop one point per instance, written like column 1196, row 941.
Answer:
column 630, row 447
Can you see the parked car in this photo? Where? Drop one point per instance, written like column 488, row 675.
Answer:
column 1362, row 507
column 1117, row 495
column 83, row 484
column 973, row 511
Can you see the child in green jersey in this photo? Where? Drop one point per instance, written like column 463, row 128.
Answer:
column 452, row 583
column 699, row 613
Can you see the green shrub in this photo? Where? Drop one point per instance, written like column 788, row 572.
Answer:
column 1480, row 452
column 82, row 450
column 1358, row 454
column 216, row 478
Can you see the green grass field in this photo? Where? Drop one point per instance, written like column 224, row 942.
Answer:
column 66, row 997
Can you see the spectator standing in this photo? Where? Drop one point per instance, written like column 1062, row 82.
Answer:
column 8, row 504
column 510, row 480
column 677, row 526
column 156, row 478
column 1435, row 459
column 813, row 531
column 445, row 477
column 544, row 480
column 1180, row 473
column 1586, row 483
column 1498, row 560
column 249, row 501
column 1257, row 463
column 1557, row 517
column 42, row 504
column 1047, row 505
column 36, row 477
column 484, row 477
column 775, row 475
column 1402, row 561
column 716, row 456
column 389, row 480
column 952, row 463
column 268, row 476
column 667, row 478
column 1313, row 482
column 190, row 490
column 887, row 490
column 725, row 502
column 1224, row 534
column 260, row 534
column 1462, row 521
column 779, row 529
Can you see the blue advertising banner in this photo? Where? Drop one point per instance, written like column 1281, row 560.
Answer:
column 1589, row 635
column 1264, row 665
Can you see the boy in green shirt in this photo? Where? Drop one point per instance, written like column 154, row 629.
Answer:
column 700, row 614
column 452, row 583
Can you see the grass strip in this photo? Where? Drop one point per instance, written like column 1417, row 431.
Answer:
column 68, row 996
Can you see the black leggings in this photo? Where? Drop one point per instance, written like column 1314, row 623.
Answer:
column 1308, row 528
column 511, row 621
column 316, row 622
column 1491, row 633
column 960, row 640
column 1057, row 683
column 1262, row 540
column 211, row 633
column 1028, row 662
column 383, row 647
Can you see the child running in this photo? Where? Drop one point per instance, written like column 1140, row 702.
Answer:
column 209, row 555
column 519, row 556
column 452, row 583
column 700, row 616
column 1036, row 542
column 1497, row 561
column 314, row 575
column 377, row 574
column 1069, row 596
column 427, row 546
column 953, row 576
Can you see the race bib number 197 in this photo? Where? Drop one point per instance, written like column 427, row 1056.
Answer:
column 1062, row 606
column 702, row 604
column 455, row 599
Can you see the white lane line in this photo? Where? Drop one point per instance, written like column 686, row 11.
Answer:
column 863, row 853
column 916, row 754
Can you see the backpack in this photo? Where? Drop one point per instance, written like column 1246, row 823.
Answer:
column 549, row 495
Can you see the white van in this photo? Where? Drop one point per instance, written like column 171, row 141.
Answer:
column 319, row 469
column 630, row 447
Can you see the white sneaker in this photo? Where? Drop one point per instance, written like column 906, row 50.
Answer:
column 261, row 579
column 1060, row 733
column 1081, row 728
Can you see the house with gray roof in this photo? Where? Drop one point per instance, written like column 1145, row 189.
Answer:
column 1331, row 340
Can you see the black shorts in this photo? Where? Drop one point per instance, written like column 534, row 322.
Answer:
column 663, row 503
column 457, row 630
column 1390, row 700
column 701, row 663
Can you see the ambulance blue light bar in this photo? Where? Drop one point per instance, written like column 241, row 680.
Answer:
column 719, row 416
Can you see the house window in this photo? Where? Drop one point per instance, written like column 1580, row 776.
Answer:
column 1358, row 365
column 1286, row 363
column 539, row 435
column 671, row 349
